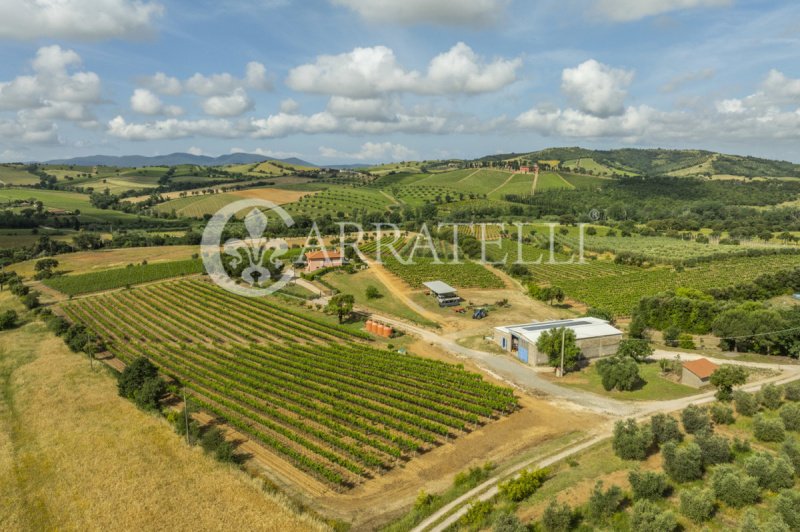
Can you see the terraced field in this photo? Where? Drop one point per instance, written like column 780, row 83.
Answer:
column 312, row 393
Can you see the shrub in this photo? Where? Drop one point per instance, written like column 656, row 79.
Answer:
column 603, row 503
column 788, row 507
column 523, row 485
column 695, row 419
column 715, row 448
column 134, row 376
column 179, row 419
column 632, row 441
column 721, row 414
column 733, row 487
column 741, row 446
column 771, row 473
column 30, row 300
column 790, row 414
column 373, row 293
column 791, row 451
column 671, row 335
column 150, row 393
column 473, row 475
column 686, row 341
column 619, row 372
column 752, row 523
column 665, row 428
column 557, row 517
column 508, row 522
column 768, row 429
column 698, row 504
column 8, row 320
column 683, row 464
column 648, row 485
column 746, row 403
column 635, row 348
column 647, row 517
column 771, row 396
column 476, row 515
column 791, row 392
column 76, row 337
column 57, row 325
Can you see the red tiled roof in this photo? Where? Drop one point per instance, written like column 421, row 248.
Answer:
column 322, row 255
column 701, row 367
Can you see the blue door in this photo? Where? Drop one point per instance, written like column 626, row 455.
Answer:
column 504, row 343
column 522, row 353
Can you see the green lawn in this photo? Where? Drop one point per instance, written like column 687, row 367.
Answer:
column 656, row 388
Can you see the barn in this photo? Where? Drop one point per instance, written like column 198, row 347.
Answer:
column 595, row 337
column 697, row 373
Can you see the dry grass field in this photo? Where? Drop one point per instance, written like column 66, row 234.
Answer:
column 75, row 456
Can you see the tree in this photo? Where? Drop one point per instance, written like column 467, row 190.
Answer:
column 549, row 342
column 671, row 335
column 603, row 503
column 695, row 419
column 665, row 428
column 620, row 373
column 683, row 464
column 771, row 396
column 373, row 293
column 508, row 522
column 725, row 378
column 716, row 449
column 631, row 440
column 341, row 305
column 647, row 517
column 558, row 517
column 135, row 375
column 635, row 348
column 523, row 485
column 790, row 415
column 746, row 403
column 648, row 485
column 45, row 264
column 791, row 451
column 638, row 327
column 733, row 487
column 788, row 507
column 552, row 293
column 8, row 320
column 791, row 392
column 771, row 473
column 31, row 300
column 768, row 429
column 147, row 397
column 698, row 504
column 686, row 341
column 721, row 414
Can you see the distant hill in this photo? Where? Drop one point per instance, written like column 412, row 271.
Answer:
column 175, row 159
column 681, row 163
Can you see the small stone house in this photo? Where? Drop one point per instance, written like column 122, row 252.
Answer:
column 697, row 373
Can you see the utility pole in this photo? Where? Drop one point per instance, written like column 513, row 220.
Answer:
column 563, row 338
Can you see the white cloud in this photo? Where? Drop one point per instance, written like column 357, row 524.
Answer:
column 233, row 104
column 780, row 89
column 630, row 10
column 145, row 102
column 377, row 109
column 269, row 153
column 442, row 12
column 289, row 106
column 172, row 129
column 89, row 20
column 194, row 150
column 223, row 84
column 370, row 72
column 162, row 84
column 372, row 151
column 597, row 88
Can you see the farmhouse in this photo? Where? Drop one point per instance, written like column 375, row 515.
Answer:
column 595, row 337
column 317, row 260
column 446, row 295
column 696, row 373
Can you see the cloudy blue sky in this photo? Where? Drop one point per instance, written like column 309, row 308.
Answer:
column 338, row 81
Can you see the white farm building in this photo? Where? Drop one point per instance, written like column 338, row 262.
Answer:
column 595, row 337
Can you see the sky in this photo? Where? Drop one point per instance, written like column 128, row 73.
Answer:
column 364, row 81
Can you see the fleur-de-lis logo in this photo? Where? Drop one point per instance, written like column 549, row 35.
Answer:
column 261, row 257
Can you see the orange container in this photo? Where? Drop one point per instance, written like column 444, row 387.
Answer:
column 370, row 326
column 389, row 332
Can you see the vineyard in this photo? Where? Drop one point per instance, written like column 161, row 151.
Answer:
column 468, row 274
column 313, row 393
column 73, row 285
column 620, row 293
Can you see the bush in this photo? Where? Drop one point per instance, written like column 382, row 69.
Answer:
column 476, row 515
column 635, row 348
column 632, row 441
column 788, row 507
column 671, row 335
column 698, row 504
column 135, row 375
column 733, row 487
column 603, row 503
column 715, row 448
column 647, row 517
column 373, row 293
column 473, row 476
column 741, row 446
column 648, row 485
column 76, row 337
column 746, row 403
column 771, row 397
column 768, row 429
column 791, row 451
column 178, row 420
column 683, row 464
column 619, row 372
column 665, row 428
column 508, row 522
column 30, row 300
column 686, row 341
column 557, row 517
column 148, row 396
column 752, row 523
column 771, row 473
column 791, row 392
column 523, row 485
column 721, row 414
column 57, row 325
column 8, row 320
column 695, row 419
column 790, row 414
